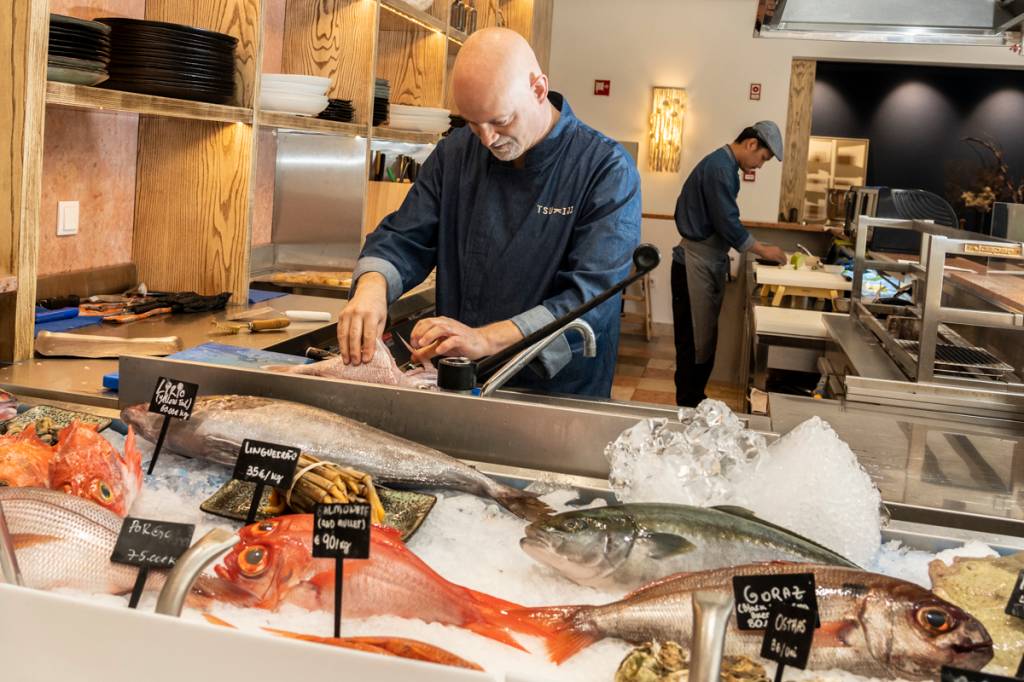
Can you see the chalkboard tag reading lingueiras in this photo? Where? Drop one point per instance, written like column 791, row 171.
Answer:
column 788, row 637
column 171, row 398
column 756, row 595
column 150, row 544
column 950, row 674
column 264, row 464
column 341, row 531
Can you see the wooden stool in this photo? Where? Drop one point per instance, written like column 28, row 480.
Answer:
column 644, row 317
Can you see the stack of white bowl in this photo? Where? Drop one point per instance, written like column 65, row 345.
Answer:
column 425, row 119
column 294, row 94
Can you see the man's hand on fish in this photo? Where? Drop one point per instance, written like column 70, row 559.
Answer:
column 455, row 338
column 362, row 320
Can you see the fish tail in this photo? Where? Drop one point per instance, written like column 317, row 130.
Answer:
column 496, row 632
column 523, row 504
column 562, row 630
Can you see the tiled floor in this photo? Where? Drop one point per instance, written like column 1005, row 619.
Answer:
column 645, row 371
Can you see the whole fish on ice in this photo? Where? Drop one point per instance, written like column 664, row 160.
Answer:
column 87, row 465
column 273, row 565
column 62, row 540
column 25, row 460
column 871, row 625
column 220, row 423
column 629, row 545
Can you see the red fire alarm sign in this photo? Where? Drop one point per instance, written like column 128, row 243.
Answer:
column 755, row 91
column 602, row 88
column 749, row 176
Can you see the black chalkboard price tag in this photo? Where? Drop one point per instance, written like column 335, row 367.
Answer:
column 150, row 544
column 950, row 674
column 341, row 531
column 174, row 400
column 1015, row 605
column 264, row 464
column 756, row 595
column 788, row 637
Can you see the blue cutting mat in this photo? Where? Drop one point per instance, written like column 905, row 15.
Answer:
column 259, row 295
column 222, row 354
column 66, row 325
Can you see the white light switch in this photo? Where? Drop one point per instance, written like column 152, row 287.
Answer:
column 67, row 218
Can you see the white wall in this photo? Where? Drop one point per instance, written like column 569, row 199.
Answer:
column 705, row 46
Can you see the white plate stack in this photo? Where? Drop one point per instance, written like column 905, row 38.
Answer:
column 294, row 94
column 424, row 119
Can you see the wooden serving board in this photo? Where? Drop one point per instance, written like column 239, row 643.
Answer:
column 88, row 346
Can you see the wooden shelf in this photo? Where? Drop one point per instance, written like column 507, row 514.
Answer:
column 271, row 119
column 86, row 97
column 8, row 283
column 406, row 14
column 412, row 136
column 456, row 36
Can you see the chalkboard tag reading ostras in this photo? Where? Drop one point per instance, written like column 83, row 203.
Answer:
column 264, row 464
column 150, row 544
column 756, row 595
column 788, row 637
column 173, row 399
column 950, row 674
column 341, row 531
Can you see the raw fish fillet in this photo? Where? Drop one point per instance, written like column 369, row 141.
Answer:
column 381, row 369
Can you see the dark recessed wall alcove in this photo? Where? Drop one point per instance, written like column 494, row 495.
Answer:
column 917, row 116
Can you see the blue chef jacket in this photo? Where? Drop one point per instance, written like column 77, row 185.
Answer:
column 525, row 245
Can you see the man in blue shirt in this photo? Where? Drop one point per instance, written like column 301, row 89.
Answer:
column 526, row 214
column 708, row 220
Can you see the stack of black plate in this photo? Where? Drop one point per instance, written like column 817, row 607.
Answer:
column 381, row 94
column 171, row 60
column 338, row 110
column 79, row 51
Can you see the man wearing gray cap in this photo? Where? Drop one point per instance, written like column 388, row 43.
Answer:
column 708, row 220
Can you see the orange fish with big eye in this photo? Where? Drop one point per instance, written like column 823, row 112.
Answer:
column 25, row 460
column 87, row 465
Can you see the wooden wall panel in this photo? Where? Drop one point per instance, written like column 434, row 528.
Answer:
column 540, row 36
column 88, row 157
column 23, row 31
column 798, row 136
column 239, row 18
column 91, row 9
column 192, row 205
column 414, row 62
column 263, row 208
column 273, row 17
column 333, row 38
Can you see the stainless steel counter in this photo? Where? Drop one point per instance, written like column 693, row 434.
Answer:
column 81, row 380
column 928, row 468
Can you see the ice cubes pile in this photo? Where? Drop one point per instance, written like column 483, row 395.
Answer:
column 700, row 464
column 808, row 481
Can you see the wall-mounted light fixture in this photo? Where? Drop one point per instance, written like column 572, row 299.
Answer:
column 667, row 111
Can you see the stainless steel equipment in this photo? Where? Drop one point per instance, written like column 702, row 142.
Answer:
column 1008, row 221
column 526, row 356
column 711, row 612
column 918, row 336
column 189, row 566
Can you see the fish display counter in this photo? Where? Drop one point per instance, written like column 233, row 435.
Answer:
column 515, row 540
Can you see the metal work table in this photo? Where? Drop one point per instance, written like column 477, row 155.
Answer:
column 79, row 380
column 928, row 469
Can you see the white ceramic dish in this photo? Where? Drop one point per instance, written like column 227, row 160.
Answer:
column 419, row 111
column 320, row 81
column 293, row 89
column 293, row 104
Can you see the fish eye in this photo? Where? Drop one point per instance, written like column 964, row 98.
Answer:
column 252, row 562
column 935, row 620
column 264, row 527
column 100, row 490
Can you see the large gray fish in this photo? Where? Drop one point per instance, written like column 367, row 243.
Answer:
column 630, row 545
column 63, row 540
column 871, row 624
column 220, row 423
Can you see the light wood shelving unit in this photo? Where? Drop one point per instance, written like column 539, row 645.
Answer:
column 195, row 175
column 833, row 163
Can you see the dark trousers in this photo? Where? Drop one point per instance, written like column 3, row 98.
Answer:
column 691, row 377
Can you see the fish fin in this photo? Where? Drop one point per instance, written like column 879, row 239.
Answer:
column 214, row 620
column 495, row 632
column 563, row 636
column 523, row 504
column 26, row 540
column 833, row 633
column 133, row 463
column 341, row 642
column 745, row 513
column 668, row 544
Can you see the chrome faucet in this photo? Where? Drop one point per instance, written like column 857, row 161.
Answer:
column 526, row 356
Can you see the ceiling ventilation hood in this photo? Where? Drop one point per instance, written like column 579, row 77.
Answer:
column 953, row 22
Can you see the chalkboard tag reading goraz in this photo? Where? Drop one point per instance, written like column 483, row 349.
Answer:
column 756, row 595
column 788, row 637
column 1015, row 605
column 950, row 674
column 173, row 399
column 264, row 464
column 341, row 531
column 150, row 544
